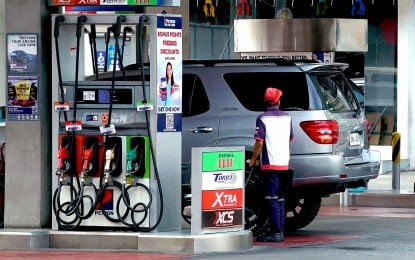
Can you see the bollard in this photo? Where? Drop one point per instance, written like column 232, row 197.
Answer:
column 344, row 198
column 396, row 159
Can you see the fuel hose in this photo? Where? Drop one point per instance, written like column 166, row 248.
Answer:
column 142, row 20
column 72, row 216
column 59, row 206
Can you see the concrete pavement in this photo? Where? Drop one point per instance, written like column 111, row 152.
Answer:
column 330, row 233
column 379, row 193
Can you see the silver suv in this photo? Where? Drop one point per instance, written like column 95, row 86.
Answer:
column 330, row 151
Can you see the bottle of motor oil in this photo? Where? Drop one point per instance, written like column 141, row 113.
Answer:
column 163, row 89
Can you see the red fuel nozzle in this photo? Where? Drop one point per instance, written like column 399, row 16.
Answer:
column 63, row 155
column 88, row 155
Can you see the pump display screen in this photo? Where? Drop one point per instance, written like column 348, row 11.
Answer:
column 103, row 96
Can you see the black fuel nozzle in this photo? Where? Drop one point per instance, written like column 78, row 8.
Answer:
column 117, row 25
column 80, row 22
column 58, row 20
column 143, row 19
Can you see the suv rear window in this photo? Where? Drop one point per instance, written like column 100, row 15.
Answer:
column 335, row 90
column 249, row 88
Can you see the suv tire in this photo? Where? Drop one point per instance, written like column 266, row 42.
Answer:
column 256, row 216
column 301, row 210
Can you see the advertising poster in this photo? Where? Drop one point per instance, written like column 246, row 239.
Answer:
column 22, row 103
column 111, row 58
column 22, row 53
column 169, row 74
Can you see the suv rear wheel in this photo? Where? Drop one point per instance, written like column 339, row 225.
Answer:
column 301, row 210
column 256, row 216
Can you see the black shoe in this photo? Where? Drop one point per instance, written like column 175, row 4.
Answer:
column 270, row 237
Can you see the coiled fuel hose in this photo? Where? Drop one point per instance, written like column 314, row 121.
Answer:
column 144, row 19
column 68, row 213
column 125, row 204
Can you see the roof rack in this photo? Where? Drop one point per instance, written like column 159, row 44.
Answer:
column 212, row 63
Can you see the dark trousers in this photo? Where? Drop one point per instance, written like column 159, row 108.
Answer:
column 277, row 184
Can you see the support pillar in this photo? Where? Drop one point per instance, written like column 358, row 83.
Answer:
column 27, row 177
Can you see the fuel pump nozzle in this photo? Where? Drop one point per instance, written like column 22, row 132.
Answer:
column 111, row 166
column 79, row 25
column 117, row 25
column 88, row 159
column 131, row 156
column 134, row 158
column 63, row 163
column 109, row 156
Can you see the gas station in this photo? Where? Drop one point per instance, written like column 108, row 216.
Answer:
column 93, row 163
column 108, row 184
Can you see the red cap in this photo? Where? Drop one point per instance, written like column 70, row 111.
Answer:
column 272, row 95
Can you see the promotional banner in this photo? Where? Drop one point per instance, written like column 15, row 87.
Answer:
column 22, row 104
column 169, row 74
column 22, row 53
column 22, row 77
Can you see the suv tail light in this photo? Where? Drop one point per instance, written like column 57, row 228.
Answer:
column 322, row 131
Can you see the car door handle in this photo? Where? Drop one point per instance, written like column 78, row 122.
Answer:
column 202, row 129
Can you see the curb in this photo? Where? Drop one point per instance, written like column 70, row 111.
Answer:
column 373, row 199
column 162, row 242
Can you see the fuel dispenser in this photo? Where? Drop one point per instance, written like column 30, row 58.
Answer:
column 109, row 174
